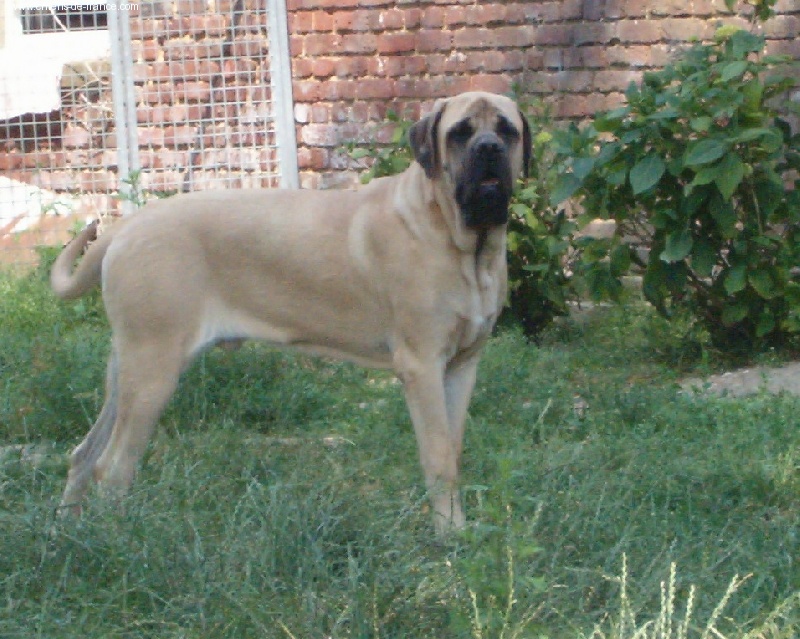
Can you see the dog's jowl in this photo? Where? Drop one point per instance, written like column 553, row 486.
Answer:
column 407, row 273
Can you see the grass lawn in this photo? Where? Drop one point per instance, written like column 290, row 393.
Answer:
column 282, row 497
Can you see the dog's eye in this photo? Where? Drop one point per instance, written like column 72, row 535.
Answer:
column 507, row 130
column 461, row 132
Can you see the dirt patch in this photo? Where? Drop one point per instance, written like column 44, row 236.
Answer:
column 748, row 381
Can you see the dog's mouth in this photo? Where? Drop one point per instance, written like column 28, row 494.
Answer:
column 489, row 186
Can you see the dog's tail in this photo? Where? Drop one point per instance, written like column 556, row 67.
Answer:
column 68, row 284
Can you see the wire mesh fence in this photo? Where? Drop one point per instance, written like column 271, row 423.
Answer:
column 198, row 77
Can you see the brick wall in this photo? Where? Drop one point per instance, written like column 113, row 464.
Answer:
column 202, row 80
column 355, row 59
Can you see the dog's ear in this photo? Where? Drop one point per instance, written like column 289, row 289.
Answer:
column 423, row 137
column 527, row 144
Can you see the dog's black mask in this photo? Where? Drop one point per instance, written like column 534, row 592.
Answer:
column 485, row 185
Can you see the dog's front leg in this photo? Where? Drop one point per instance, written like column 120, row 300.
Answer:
column 439, row 446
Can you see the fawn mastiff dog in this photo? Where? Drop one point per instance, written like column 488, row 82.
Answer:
column 407, row 273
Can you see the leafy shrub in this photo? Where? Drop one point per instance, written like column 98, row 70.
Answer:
column 385, row 160
column 539, row 236
column 700, row 165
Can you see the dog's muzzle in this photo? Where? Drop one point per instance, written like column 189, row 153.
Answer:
column 484, row 189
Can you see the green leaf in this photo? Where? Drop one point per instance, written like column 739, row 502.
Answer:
column 725, row 216
column 620, row 260
column 736, row 279
column 566, row 185
column 753, row 92
column 678, row 246
column 705, row 152
column 731, row 174
column 762, row 283
column 766, row 323
column 733, row 70
column 745, row 42
column 701, row 124
column 704, row 257
column 582, row 167
column 733, row 313
column 647, row 173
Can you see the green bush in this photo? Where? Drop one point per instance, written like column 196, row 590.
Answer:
column 700, row 165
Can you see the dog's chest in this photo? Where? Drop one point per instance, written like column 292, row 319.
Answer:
column 481, row 308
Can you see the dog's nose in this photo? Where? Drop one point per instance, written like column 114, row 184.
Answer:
column 488, row 144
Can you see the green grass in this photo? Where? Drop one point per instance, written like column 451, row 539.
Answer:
column 281, row 496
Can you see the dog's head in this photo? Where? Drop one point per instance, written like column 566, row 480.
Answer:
column 478, row 142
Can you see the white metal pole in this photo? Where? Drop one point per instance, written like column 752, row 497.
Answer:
column 281, row 82
column 124, row 105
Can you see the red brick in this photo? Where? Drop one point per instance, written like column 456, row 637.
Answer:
column 75, row 137
column 323, row 67
column 98, row 181
column 474, row 38
column 189, row 49
column 157, row 114
column 639, row 31
column 455, row 16
column 615, row 80
column 164, row 181
column 313, row 158
column 147, row 50
column 180, row 135
column 322, row 21
column 306, row 90
column 188, row 112
column 517, row 36
column 231, row 94
column 301, row 22
column 302, row 67
column 150, row 136
column 249, row 46
column 671, row 8
column 255, row 22
column 326, row 135
column 375, row 88
column 240, row 68
column 391, row 43
column 782, row 27
column 351, row 66
column 361, row 43
column 493, row 83
column 553, row 35
column 197, row 25
column 190, row 7
column 486, row 14
column 194, row 91
column 320, row 112
column 430, row 40
column 10, row 161
column 412, row 18
column 592, row 33
column 392, row 19
column 321, row 44
column 141, row 29
column 334, row 90
column 496, row 61
column 296, row 44
column 432, row 17
column 445, row 86
column 684, row 29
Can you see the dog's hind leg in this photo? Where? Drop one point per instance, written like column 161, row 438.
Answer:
column 148, row 376
column 86, row 454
